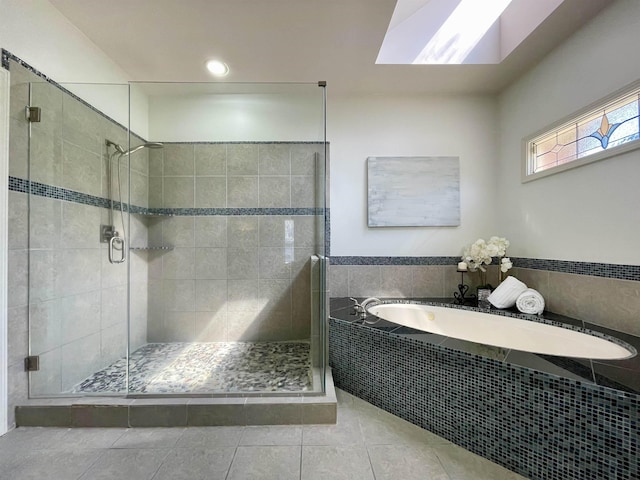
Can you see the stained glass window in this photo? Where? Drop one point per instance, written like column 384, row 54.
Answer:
column 609, row 128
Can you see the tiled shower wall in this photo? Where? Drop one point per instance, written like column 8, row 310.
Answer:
column 237, row 272
column 76, row 303
column 608, row 301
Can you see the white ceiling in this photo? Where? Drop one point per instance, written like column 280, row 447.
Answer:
column 293, row 41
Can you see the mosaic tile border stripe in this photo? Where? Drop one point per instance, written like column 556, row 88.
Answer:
column 231, row 211
column 394, row 260
column 43, row 190
column 5, row 58
column 607, row 270
column 622, row 272
column 536, row 424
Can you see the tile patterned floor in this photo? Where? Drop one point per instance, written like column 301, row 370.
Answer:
column 220, row 367
column 366, row 444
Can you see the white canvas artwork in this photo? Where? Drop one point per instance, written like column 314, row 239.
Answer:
column 413, row 191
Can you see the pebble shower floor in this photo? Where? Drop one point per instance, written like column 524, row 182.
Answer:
column 220, row 367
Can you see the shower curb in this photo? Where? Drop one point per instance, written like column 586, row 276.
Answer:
column 121, row 412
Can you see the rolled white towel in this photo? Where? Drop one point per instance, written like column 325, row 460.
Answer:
column 530, row 301
column 506, row 294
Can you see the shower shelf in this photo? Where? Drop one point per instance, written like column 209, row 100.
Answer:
column 151, row 248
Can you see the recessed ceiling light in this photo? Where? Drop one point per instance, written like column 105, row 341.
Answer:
column 217, row 68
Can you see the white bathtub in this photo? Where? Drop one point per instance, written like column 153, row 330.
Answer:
column 501, row 331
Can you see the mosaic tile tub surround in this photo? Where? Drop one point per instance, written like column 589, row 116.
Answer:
column 537, row 424
column 215, row 367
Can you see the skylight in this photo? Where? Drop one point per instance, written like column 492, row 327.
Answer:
column 446, row 32
column 461, row 32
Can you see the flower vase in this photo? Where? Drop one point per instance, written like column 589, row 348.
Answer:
column 483, row 297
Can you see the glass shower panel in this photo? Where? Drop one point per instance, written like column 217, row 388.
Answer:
column 77, row 299
column 231, row 240
column 187, row 257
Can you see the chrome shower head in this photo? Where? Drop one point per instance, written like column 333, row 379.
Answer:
column 144, row 145
column 122, row 151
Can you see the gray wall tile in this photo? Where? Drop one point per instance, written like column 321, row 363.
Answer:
column 178, row 160
column 211, row 192
column 80, row 315
column 243, row 232
column 178, row 231
column 364, row 281
column 211, row 231
column 242, row 159
column 427, row 281
column 303, row 191
column 242, row 263
column 82, row 170
column 242, row 192
column 156, row 161
column 211, row 159
column 46, row 158
column 211, row 263
column 81, row 225
column 272, row 263
column 303, row 160
column 275, row 159
column 178, row 192
column 275, row 192
column 179, row 263
column 211, row 326
column 18, row 267
column 211, row 295
column 179, row 295
column 45, row 222
column 44, row 326
column 18, row 332
column 180, row 326
column 243, row 295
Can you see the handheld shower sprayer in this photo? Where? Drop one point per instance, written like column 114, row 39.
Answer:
column 109, row 233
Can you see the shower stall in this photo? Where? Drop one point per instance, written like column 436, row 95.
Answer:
column 176, row 238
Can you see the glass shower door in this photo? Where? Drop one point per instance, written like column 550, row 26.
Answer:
column 78, row 312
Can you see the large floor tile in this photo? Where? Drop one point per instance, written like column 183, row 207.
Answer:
column 344, row 399
column 461, row 464
column 32, row 438
column 91, row 438
column 381, row 428
column 321, row 462
column 346, row 431
column 266, row 463
column 196, row 464
column 406, row 462
column 278, row 435
column 129, row 463
column 149, row 438
column 210, row 437
column 51, row 464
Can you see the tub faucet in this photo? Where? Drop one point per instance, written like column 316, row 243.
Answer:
column 361, row 308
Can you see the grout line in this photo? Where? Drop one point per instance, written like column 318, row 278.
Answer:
column 301, row 453
column 235, row 452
